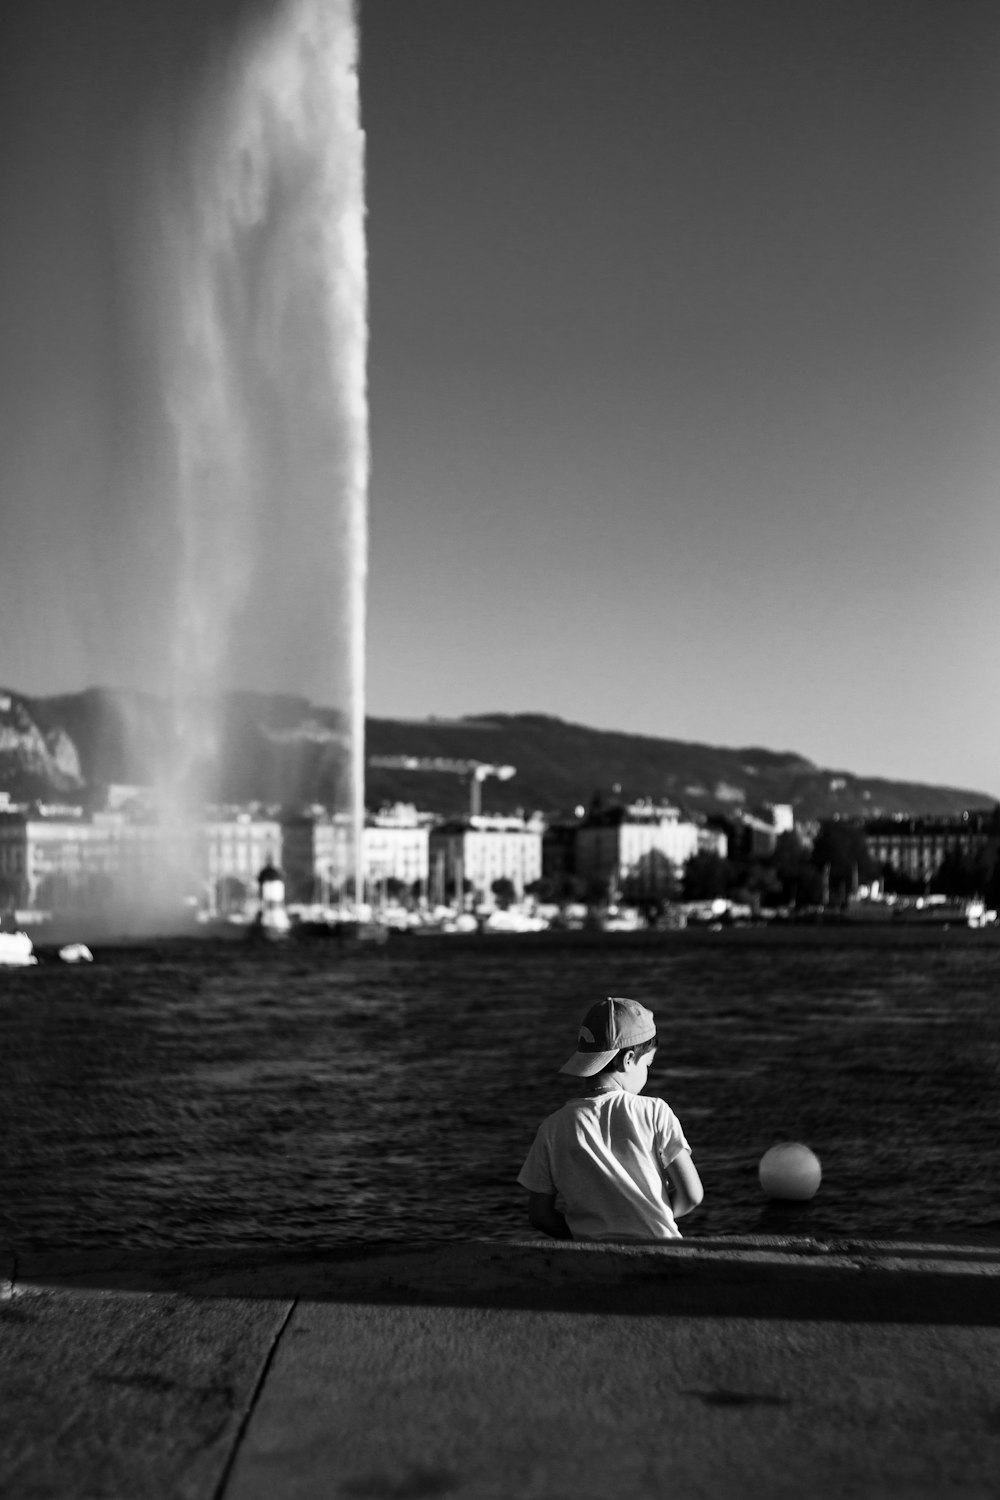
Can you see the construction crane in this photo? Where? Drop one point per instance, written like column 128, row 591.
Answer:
column 476, row 770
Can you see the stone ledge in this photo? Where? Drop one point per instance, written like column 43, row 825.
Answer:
column 758, row 1275
column 773, row 1365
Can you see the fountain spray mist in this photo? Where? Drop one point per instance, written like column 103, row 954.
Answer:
column 254, row 246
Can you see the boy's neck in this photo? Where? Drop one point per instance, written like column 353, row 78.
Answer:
column 600, row 1086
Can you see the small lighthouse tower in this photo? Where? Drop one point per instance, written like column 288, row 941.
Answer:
column 272, row 917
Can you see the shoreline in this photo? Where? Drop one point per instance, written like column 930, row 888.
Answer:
column 844, row 932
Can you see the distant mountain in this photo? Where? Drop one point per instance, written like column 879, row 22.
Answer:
column 282, row 748
column 560, row 766
column 271, row 747
column 38, row 758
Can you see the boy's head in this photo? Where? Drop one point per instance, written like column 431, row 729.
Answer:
column 611, row 1027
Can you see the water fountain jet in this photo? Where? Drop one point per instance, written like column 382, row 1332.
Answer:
column 254, row 283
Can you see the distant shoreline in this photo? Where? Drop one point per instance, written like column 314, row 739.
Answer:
column 830, row 933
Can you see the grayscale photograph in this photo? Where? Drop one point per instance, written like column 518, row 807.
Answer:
column 499, row 750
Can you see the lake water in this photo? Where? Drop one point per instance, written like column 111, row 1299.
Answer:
column 200, row 1094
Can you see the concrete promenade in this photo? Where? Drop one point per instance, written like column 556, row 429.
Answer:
column 751, row 1366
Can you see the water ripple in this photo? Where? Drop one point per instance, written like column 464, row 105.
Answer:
column 191, row 1095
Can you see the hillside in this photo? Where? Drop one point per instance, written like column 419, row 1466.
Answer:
column 282, row 748
column 561, row 765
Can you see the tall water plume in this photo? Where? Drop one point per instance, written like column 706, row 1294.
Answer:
column 252, row 278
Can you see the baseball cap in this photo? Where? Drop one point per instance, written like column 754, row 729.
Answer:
column 607, row 1027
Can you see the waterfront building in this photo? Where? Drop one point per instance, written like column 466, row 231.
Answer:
column 318, row 861
column 232, row 846
column 639, row 851
column 712, row 839
column 67, row 861
column 559, row 853
column 317, row 857
column 481, row 850
column 396, row 847
column 757, row 830
column 47, row 860
column 917, row 847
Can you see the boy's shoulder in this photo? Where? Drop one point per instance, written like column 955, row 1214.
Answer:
column 638, row 1104
column 647, row 1104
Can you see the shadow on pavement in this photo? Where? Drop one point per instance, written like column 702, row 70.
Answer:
column 759, row 1276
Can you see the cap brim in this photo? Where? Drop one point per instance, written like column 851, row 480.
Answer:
column 585, row 1064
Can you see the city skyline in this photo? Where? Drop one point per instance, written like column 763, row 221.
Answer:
column 683, row 368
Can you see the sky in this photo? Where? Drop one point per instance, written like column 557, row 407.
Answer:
column 684, row 365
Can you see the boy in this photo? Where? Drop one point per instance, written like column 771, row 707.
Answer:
column 617, row 1164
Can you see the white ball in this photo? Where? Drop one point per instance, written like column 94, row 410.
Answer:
column 790, row 1171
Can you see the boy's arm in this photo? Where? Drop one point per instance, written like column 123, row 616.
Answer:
column 543, row 1215
column 686, row 1191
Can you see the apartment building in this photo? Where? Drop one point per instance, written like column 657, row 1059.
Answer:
column 757, row 830
column 483, row 850
column 916, row 847
column 396, row 846
column 638, row 851
column 319, row 861
column 233, row 846
column 318, row 856
column 67, row 861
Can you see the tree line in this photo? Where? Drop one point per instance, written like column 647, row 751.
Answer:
column 831, row 871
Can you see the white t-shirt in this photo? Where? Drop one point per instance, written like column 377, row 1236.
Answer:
column 605, row 1158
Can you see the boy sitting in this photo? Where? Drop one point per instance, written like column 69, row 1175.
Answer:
column 617, row 1165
